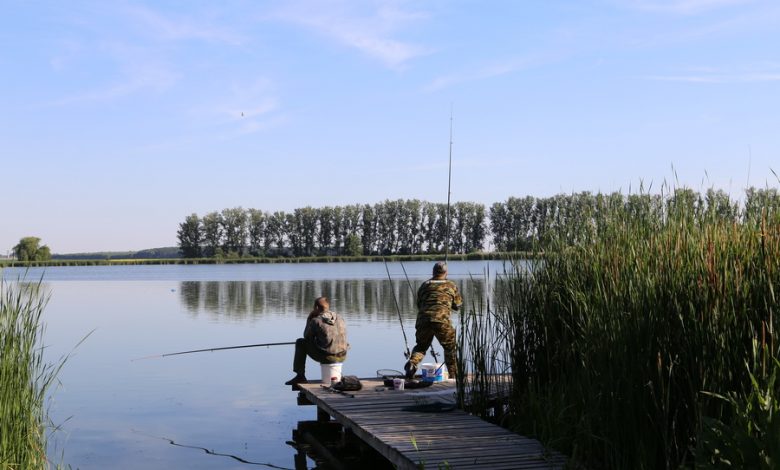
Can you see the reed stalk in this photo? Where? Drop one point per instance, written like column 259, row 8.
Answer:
column 25, row 378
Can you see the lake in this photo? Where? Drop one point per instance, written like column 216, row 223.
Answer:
column 121, row 412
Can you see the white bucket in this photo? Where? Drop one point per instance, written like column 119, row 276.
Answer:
column 433, row 372
column 331, row 373
column 398, row 384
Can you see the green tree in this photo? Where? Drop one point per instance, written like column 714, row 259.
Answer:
column 275, row 232
column 685, row 203
column 473, row 223
column 234, row 223
column 351, row 222
column 305, row 222
column 459, row 215
column 388, row 214
column 257, row 229
column 29, row 249
column 352, row 245
column 369, row 234
column 327, row 227
column 443, row 220
column 499, row 225
column 413, row 234
column 761, row 203
column 720, row 207
column 338, row 223
column 190, row 235
column 292, row 228
column 433, row 239
column 212, row 233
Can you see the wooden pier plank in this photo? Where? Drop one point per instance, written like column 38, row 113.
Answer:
column 408, row 439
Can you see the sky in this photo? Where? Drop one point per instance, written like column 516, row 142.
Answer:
column 119, row 118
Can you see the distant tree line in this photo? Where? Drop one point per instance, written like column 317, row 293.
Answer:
column 385, row 228
column 520, row 224
column 150, row 253
column 419, row 227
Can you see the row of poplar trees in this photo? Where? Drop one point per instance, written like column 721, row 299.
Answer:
column 385, row 228
column 416, row 227
column 521, row 224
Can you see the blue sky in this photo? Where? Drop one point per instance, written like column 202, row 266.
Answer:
column 118, row 119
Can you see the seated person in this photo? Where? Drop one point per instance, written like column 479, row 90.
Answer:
column 324, row 340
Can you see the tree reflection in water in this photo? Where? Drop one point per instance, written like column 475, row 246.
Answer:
column 355, row 297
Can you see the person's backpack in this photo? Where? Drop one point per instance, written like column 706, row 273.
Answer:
column 348, row 383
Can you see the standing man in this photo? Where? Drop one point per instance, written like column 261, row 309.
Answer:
column 436, row 297
column 324, row 340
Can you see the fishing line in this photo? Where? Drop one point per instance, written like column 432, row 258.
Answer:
column 407, row 353
column 211, row 452
column 214, row 349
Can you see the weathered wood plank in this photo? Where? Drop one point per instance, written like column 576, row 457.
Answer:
column 408, row 439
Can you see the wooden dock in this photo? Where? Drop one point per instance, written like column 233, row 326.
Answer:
column 400, row 426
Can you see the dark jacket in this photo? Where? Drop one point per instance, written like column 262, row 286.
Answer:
column 327, row 332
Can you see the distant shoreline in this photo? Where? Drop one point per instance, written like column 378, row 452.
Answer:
column 265, row 260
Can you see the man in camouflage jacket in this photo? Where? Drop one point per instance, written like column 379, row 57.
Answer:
column 436, row 297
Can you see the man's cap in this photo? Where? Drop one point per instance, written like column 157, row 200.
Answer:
column 439, row 268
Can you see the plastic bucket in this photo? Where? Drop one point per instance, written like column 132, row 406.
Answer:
column 331, row 373
column 398, row 384
column 433, row 372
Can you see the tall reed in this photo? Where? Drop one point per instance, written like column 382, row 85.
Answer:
column 24, row 377
column 484, row 353
column 623, row 344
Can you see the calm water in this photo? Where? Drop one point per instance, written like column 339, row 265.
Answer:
column 121, row 413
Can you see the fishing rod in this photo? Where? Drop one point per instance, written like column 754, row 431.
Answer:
column 449, row 193
column 215, row 349
column 407, row 353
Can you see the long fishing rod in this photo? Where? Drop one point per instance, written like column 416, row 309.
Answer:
column 407, row 353
column 449, row 192
column 414, row 293
column 215, row 349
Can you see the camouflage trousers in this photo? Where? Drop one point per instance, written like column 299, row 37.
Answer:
column 305, row 348
column 445, row 333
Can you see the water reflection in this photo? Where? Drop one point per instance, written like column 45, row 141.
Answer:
column 356, row 297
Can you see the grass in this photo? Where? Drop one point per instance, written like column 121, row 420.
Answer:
column 651, row 336
column 25, row 379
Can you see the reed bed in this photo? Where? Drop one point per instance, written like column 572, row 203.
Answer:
column 649, row 342
column 24, row 377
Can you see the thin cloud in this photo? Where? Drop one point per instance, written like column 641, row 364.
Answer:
column 681, row 6
column 486, row 72
column 713, row 76
column 152, row 78
column 747, row 78
column 257, row 125
column 178, row 29
column 372, row 33
column 248, row 108
column 248, row 100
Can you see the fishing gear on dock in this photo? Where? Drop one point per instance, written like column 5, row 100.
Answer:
column 216, row 349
